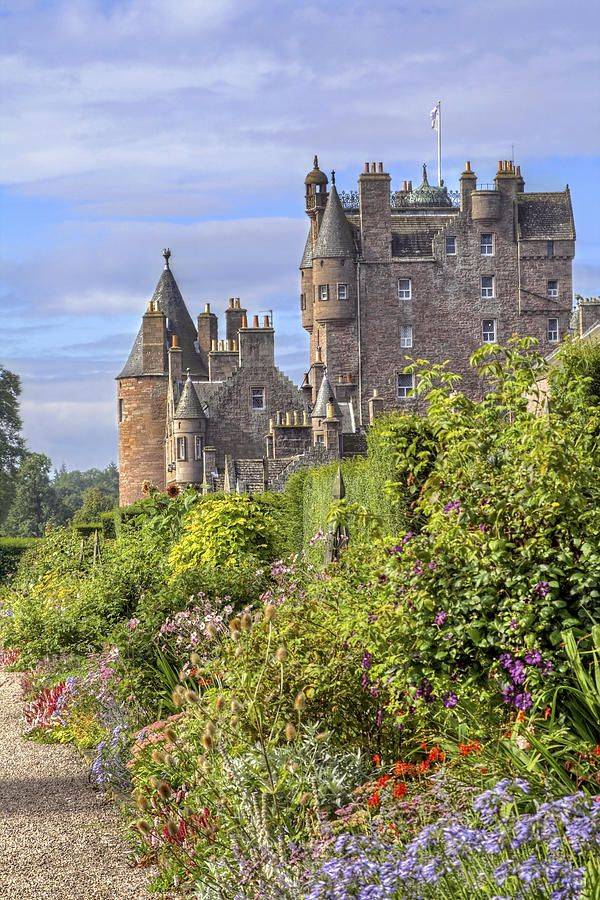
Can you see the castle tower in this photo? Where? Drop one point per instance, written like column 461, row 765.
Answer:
column 142, row 386
column 189, row 433
column 334, row 284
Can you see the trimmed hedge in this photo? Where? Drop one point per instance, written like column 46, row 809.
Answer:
column 11, row 551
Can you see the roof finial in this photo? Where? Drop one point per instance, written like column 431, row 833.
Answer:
column 316, row 162
column 425, row 174
column 333, row 176
column 187, row 372
column 166, row 253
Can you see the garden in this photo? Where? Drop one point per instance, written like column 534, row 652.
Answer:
column 392, row 693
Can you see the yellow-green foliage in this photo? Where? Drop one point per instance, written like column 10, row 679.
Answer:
column 227, row 530
column 376, row 481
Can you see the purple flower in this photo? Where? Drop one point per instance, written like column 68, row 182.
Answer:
column 533, row 657
column 440, row 618
column 452, row 506
column 418, row 568
column 367, row 660
column 450, row 700
column 542, row 589
column 425, row 691
column 432, row 565
column 523, row 701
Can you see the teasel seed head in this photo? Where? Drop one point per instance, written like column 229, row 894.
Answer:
column 234, row 721
column 210, row 630
column 183, row 675
column 195, row 660
column 170, row 760
column 164, row 790
column 158, row 756
column 191, row 696
column 305, row 799
column 235, row 624
column 220, row 703
column 173, row 827
column 154, row 782
column 142, row 802
column 246, row 622
column 270, row 612
column 290, row 731
column 210, row 728
column 207, row 740
column 143, row 827
column 300, row 702
column 281, row 654
column 170, row 734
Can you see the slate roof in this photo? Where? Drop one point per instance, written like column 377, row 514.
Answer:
column 335, row 234
column 189, row 406
column 546, row 216
column 179, row 322
column 306, row 262
column 326, row 393
column 250, row 472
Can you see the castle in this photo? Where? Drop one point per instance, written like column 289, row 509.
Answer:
column 386, row 276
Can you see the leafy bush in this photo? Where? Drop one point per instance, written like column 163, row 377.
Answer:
column 11, row 550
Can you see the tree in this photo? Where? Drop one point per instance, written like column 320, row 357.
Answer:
column 71, row 487
column 94, row 503
column 11, row 442
column 35, row 502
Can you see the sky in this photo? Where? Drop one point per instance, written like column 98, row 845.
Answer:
column 132, row 125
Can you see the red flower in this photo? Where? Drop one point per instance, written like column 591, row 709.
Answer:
column 376, row 759
column 471, row 747
column 399, row 790
column 402, row 768
column 374, row 799
column 381, row 782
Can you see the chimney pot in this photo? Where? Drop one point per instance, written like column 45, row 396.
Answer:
column 366, row 167
column 468, row 166
column 255, row 321
column 231, row 302
column 266, row 322
column 213, row 346
column 381, row 167
column 175, row 341
column 244, row 321
column 207, row 307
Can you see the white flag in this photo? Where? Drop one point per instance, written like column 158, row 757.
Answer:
column 434, row 116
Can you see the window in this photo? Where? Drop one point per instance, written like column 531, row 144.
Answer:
column 121, row 410
column 488, row 331
column 302, row 301
column 404, row 385
column 342, row 291
column 404, row 289
column 450, row 246
column 181, row 449
column 257, row 398
column 197, row 447
column 323, row 292
column 486, row 245
column 320, row 439
column 487, row 287
column 552, row 289
column 553, row 331
column 406, row 336
column 550, row 248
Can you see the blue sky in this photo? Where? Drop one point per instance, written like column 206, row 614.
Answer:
column 132, row 125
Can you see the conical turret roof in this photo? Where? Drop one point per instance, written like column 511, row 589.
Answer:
column 326, row 395
column 189, row 406
column 335, row 235
column 306, row 262
column 169, row 300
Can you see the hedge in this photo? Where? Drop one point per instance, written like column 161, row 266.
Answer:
column 11, row 550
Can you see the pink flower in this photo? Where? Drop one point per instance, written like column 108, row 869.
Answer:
column 133, row 624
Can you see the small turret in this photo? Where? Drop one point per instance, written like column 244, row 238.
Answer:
column 333, row 265
column 189, row 427
column 316, row 188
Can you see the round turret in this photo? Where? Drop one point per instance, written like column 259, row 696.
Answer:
column 316, row 189
column 316, row 176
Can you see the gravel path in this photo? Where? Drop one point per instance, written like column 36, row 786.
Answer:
column 58, row 839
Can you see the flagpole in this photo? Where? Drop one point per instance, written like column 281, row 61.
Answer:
column 439, row 142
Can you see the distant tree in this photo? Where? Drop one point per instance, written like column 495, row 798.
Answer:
column 94, row 503
column 11, row 442
column 71, row 487
column 35, row 503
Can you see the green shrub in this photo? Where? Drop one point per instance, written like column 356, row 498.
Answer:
column 11, row 551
